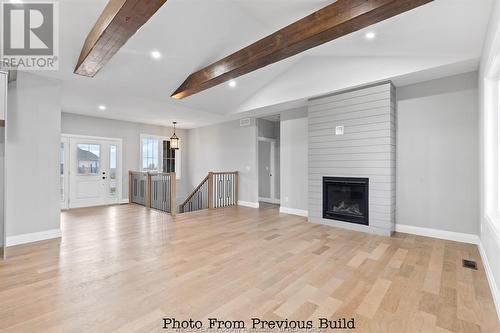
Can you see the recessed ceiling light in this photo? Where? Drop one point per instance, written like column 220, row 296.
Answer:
column 102, row 107
column 232, row 83
column 370, row 35
column 155, row 54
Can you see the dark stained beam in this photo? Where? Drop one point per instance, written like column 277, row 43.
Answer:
column 331, row 22
column 118, row 22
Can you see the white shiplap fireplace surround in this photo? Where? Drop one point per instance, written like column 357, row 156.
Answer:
column 367, row 149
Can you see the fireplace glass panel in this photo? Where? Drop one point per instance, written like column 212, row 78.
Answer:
column 346, row 199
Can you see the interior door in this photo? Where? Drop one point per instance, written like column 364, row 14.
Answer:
column 94, row 172
column 265, row 173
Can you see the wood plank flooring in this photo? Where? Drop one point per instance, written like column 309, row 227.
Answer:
column 124, row 268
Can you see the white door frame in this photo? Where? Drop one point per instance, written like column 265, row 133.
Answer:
column 272, row 198
column 65, row 202
column 119, row 163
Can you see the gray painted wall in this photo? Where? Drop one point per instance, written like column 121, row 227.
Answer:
column 225, row 147
column 32, row 155
column 489, row 208
column 367, row 149
column 293, row 146
column 130, row 133
column 267, row 129
column 437, row 169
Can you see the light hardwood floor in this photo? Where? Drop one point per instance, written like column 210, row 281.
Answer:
column 124, row 268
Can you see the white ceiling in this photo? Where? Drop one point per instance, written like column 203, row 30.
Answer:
column 441, row 38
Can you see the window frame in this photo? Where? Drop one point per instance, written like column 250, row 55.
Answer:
column 178, row 154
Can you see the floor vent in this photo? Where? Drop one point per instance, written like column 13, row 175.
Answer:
column 469, row 264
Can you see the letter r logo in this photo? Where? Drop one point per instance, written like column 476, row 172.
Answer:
column 28, row 29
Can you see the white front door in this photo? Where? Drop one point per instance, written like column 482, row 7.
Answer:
column 94, row 172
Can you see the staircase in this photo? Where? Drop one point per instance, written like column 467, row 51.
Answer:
column 158, row 191
column 216, row 190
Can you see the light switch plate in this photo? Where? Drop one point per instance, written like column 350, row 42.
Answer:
column 339, row 130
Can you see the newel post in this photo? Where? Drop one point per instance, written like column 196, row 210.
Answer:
column 147, row 199
column 210, row 190
column 173, row 195
column 236, row 180
column 130, row 186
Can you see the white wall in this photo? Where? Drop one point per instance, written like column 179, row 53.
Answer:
column 225, row 147
column 437, row 156
column 293, row 160
column 3, row 107
column 32, row 157
column 489, row 146
column 130, row 133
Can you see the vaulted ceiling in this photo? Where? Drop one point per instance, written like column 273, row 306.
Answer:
column 443, row 37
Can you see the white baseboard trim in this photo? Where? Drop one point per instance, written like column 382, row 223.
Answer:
column 436, row 233
column 269, row 200
column 33, row 237
column 248, row 204
column 124, row 201
column 293, row 211
column 495, row 293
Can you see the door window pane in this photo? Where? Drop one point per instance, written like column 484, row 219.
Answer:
column 88, row 156
column 113, row 158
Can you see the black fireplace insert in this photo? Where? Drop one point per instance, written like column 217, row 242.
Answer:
column 345, row 199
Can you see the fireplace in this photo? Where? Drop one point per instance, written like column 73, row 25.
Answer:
column 345, row 199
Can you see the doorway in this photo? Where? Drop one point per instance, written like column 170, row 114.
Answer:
column 268, row 146
column 91, row 171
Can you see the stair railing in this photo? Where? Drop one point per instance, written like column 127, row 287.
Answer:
column 198, row 199
column 216, row 190
column 153, row 190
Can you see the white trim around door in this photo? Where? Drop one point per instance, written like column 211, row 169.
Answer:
column 102, row 186
column 272, row 198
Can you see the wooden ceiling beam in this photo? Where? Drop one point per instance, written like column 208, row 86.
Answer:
column 331, row 22
column 119, row 21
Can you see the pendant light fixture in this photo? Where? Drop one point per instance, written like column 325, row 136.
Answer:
column 174, row 140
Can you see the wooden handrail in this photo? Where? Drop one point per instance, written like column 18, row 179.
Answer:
column 221, row 191
column 194, row 192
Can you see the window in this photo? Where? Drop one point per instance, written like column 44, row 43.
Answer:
column 112, row 169
column 88, row 156
column 168, row 157
column 157, row 156
column 150, row 155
